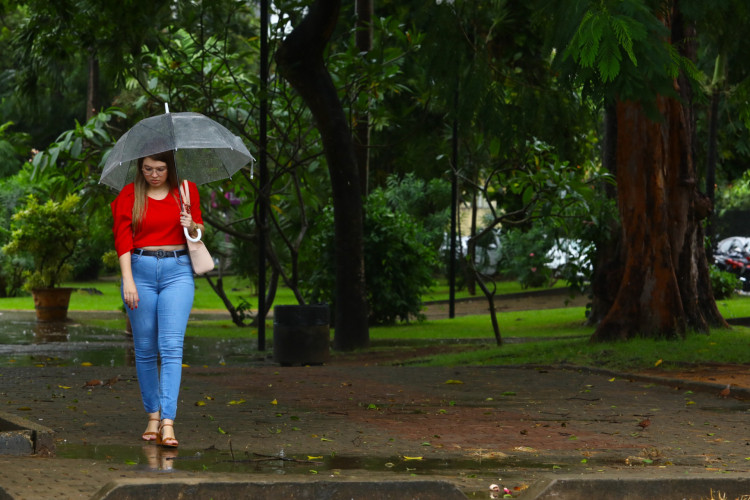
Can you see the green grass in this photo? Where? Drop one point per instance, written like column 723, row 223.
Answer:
column 109, row 299
column 722, row 346
column 472, row 335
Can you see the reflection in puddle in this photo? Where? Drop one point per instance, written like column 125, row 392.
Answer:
column 158, row 458
column 50, row 332
column 26, row 342
column 150, row 458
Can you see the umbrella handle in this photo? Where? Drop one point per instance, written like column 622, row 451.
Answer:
column 197, row 238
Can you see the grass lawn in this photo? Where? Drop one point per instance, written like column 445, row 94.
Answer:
column 564, row 330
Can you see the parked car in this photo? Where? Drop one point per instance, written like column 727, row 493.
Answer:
column 733, row 255
column 568, row 251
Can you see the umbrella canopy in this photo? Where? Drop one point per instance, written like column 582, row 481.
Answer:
column 205, row 151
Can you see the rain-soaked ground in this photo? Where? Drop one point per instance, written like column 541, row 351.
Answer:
column 243, row 416
column 26, row 342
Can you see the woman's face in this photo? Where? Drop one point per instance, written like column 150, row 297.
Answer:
column 154, row 171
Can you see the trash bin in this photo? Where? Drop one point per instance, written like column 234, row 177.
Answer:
column 301, row 334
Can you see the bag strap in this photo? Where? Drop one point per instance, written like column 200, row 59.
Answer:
column 185, row 196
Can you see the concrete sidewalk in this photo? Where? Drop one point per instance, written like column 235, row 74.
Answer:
column 382, row 432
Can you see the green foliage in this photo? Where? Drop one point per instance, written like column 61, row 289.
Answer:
column 735, row 196
column 525, row 256
column 427, row 202
column 723, row 283
column 614, row 49
column 49, row 233
column 14, row 149
column 398, row 263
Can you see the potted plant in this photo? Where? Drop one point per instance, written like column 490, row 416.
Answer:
column 44, row 237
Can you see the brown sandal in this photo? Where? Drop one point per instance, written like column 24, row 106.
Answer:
column 169, row 442
column 150, row 435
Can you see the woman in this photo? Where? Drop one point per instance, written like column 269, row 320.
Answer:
column 157, row 283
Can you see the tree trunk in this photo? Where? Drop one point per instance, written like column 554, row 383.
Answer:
column 92, row 97
column 300, row 61
column 608, row 260
column 665, row 288
column 362, row 126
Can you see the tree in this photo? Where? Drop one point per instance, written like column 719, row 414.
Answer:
column 638, row 55
column 64, row 45
column 300, row 61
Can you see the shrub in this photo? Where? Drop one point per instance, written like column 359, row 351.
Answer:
column 723, row 283
column 49, row 234
column 525, row 256
column 398, row 265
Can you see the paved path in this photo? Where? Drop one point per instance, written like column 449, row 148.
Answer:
column 471, row 426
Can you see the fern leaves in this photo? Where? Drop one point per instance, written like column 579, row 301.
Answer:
column 601, row 39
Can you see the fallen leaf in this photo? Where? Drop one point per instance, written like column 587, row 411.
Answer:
column 63, row 387
column 23, row 408
column 237, row 402
column 200, row 403
column 274, row 402
column 658, row 362
column 86, row 363
column 413, row 458
column 612, row 379
column 313, row 458
column 451, row 381
column 222, row 431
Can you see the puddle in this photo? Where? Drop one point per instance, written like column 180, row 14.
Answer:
column 743, row 407
column 150, row 457
column 26, row 342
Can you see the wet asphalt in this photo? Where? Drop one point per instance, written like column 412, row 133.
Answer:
column 540, row 432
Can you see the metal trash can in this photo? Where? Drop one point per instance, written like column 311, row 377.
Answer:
column 301, row 334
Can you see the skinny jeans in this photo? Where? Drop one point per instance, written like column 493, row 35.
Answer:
column 165, row 290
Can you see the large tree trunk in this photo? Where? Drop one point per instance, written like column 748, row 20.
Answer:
column 665, row 288
column 300, row 61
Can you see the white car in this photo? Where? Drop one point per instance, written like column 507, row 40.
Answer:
column 569, row 251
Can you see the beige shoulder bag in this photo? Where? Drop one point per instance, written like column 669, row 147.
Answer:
column 199, row 256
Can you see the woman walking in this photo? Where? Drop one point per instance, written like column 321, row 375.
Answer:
column 157, row 283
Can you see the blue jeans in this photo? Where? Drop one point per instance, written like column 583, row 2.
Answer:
column 165, row 291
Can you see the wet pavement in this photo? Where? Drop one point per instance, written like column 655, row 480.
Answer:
column 245, row 422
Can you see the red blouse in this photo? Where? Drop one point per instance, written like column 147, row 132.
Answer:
column 161, row 224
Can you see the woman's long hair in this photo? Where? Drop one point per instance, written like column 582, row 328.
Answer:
column 140, row 204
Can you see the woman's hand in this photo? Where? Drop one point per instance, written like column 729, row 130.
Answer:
column 129, row 291
column 186, row 220
column 130, row 294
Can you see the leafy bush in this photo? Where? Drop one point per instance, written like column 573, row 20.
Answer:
column 49, row 234
column 525, row 256
column 723, row 283
column 427, row 202
column 398, row 264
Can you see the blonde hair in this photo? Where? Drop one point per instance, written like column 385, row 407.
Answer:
column 140, row 205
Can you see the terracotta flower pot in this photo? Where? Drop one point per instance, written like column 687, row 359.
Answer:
column 51, row 304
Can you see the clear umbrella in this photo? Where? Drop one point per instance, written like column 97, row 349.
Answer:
column 205, row 151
